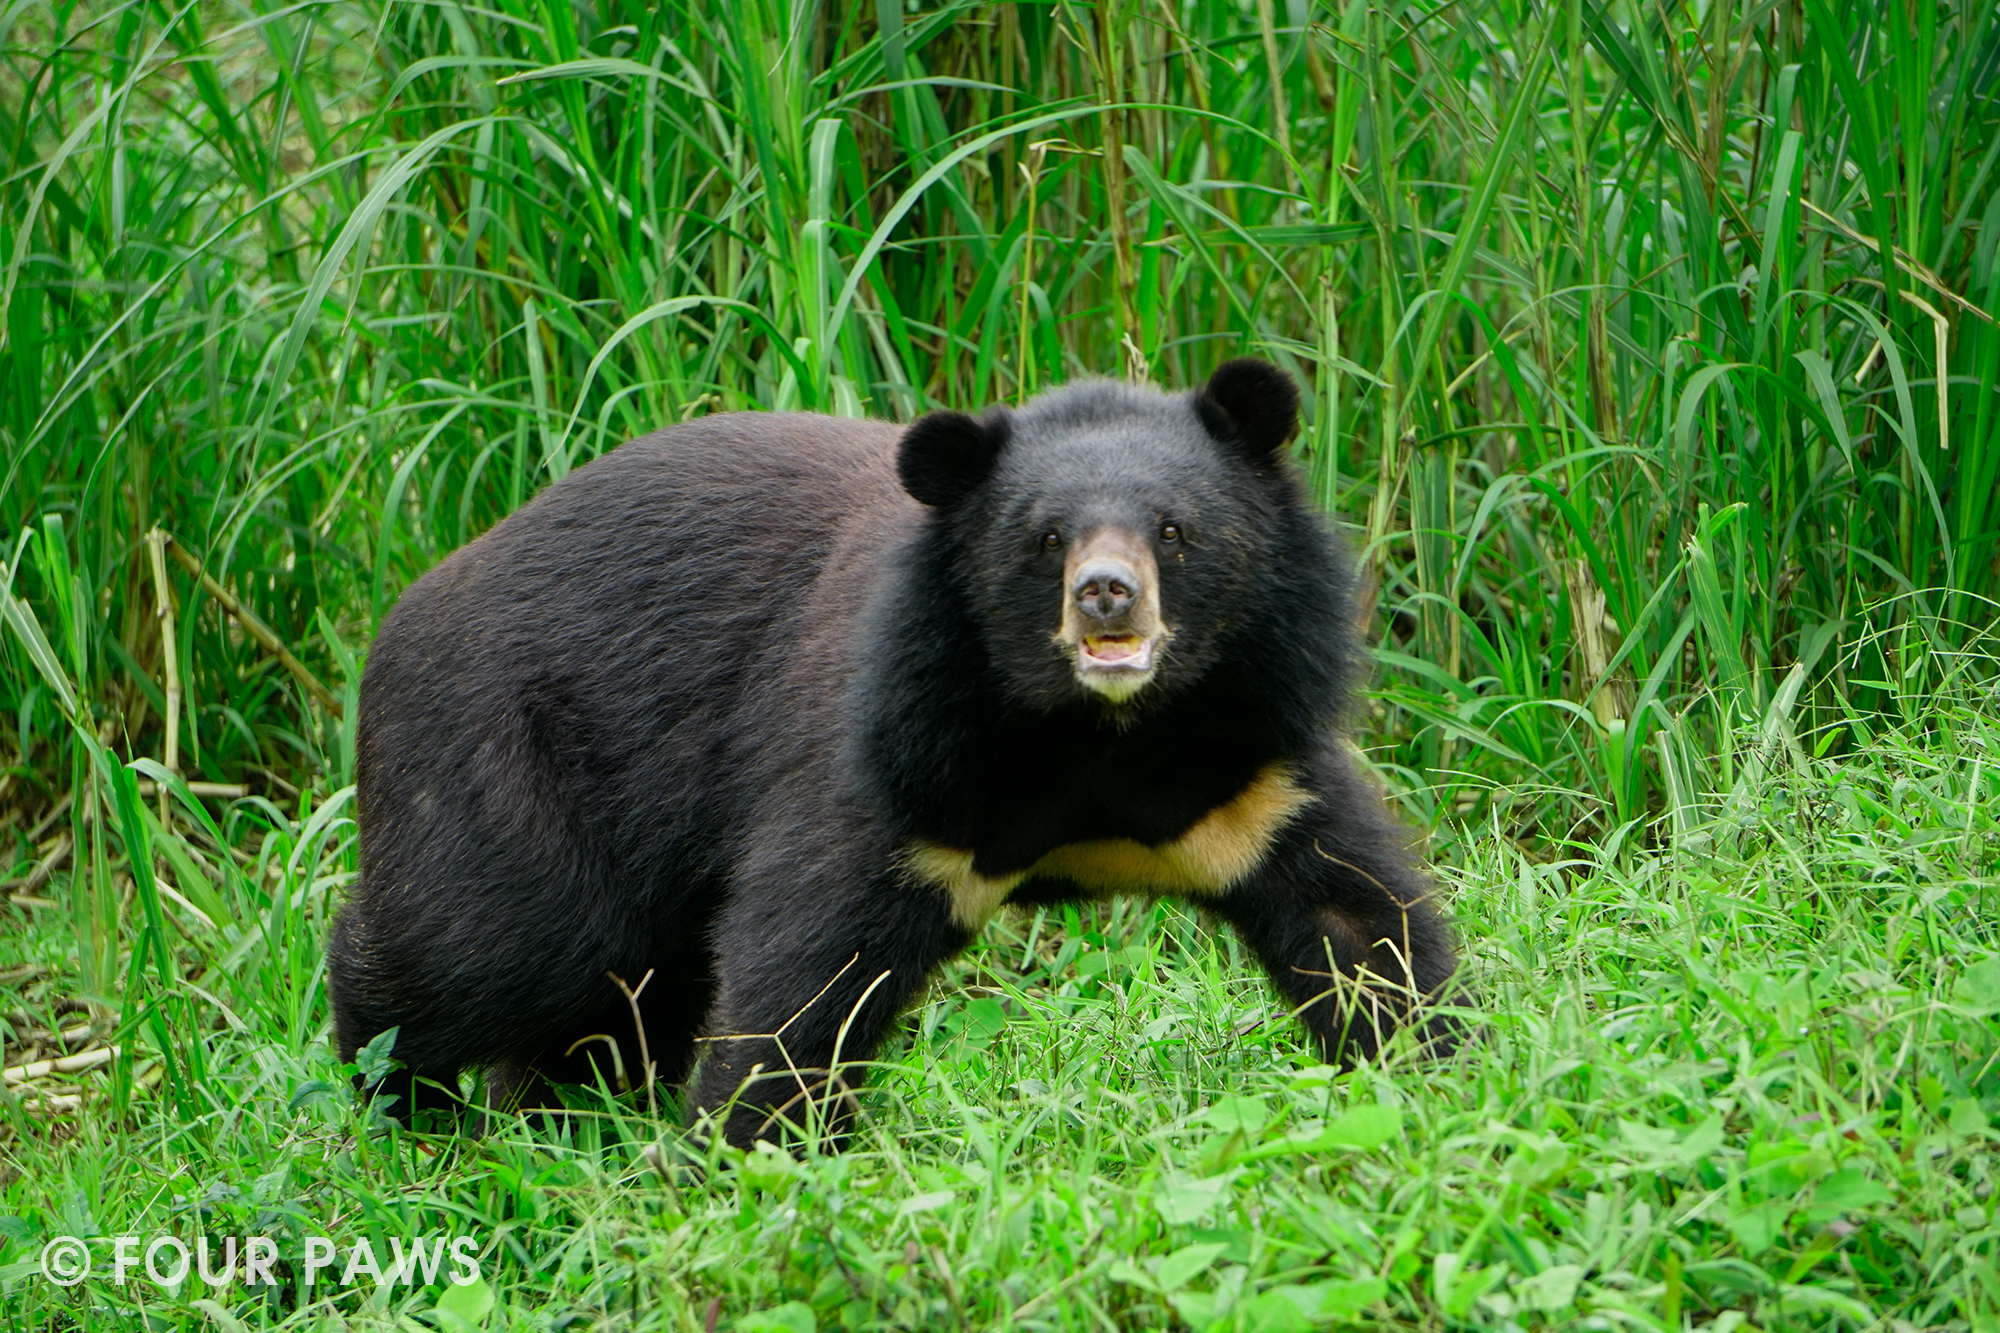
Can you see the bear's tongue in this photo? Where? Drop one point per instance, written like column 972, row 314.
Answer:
column 1123, row 650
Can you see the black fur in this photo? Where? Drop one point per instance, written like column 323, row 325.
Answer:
column 945, row 455
column 1250, row 405
column 685, row 711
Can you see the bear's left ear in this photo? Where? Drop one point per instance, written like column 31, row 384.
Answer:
column 945, row 455
column 1250, row 404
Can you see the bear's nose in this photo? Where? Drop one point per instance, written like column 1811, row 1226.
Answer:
column 1105, row 589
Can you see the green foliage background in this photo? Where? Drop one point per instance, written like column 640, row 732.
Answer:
column 1650, row 355
column 1689, row 312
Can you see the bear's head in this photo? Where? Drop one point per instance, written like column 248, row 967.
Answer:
column 1116, row 543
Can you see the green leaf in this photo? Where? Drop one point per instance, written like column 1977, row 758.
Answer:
column 1759, row 1225
column 1551, row 1289
column 1277, row 1310
column 986, row 1015
column 219, row 1317
column 40, row 651
column 1650, row 1141
column 1196, row 1308
column 657, row 311
column 767, row 1166
column 923, row 1203
column 1664, row 1145
column 134, row 832
column 359, row 226
column 1718, row 626
column 1702, row 1142
column 1183, row 1200
column 1186, row 1264
column 1456, row 1287
column 791, row 1317
column 313, row 1090
column 464, row 1307
column 1344, row 1298
column 1360, row 1130
column 1850, row 1190
column 1978, row 987
column 1538, row 1163
column 1286, row 234
column 374, row 1061
column 1129, row 1273
column 1363, row 1128
column 908, row 199
column 1244, row 1114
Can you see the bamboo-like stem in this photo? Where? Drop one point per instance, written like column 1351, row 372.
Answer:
column 163, row 607
column 1280, row 116
column 1109, row 58
column 1032, row 169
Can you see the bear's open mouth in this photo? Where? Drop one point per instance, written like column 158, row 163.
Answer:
column 1116, row 652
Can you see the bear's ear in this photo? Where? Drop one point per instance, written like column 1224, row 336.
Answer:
column 1250, row 404
column 946, row 454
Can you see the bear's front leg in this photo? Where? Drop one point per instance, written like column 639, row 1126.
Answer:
column 1345, row 923
column 812, row 968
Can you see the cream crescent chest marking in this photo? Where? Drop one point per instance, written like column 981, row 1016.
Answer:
column 1222, row 848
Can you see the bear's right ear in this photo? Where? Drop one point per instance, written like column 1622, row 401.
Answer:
column 1251, row 404
column 945, row 455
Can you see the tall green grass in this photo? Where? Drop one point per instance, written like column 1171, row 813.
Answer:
column 1650, row 356
column 1650, row 350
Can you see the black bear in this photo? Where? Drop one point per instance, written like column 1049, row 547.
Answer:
column 781, row 708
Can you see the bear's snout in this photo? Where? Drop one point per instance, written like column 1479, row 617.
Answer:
column 1111, row 622
column 1106, row 589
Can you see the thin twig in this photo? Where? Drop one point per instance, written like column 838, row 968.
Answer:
column 47, row 821
column 40, row 874
column 778, row 1039
column 645, row 1055
column 617, row 1057
column 1904, row 262
column 1085, row 1271
column 256, row 628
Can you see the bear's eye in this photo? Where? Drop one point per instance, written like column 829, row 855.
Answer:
column 1052, row 540
column 1170, row 532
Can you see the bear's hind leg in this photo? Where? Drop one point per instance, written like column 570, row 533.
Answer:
column 609, row 1047
column 810, row 978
